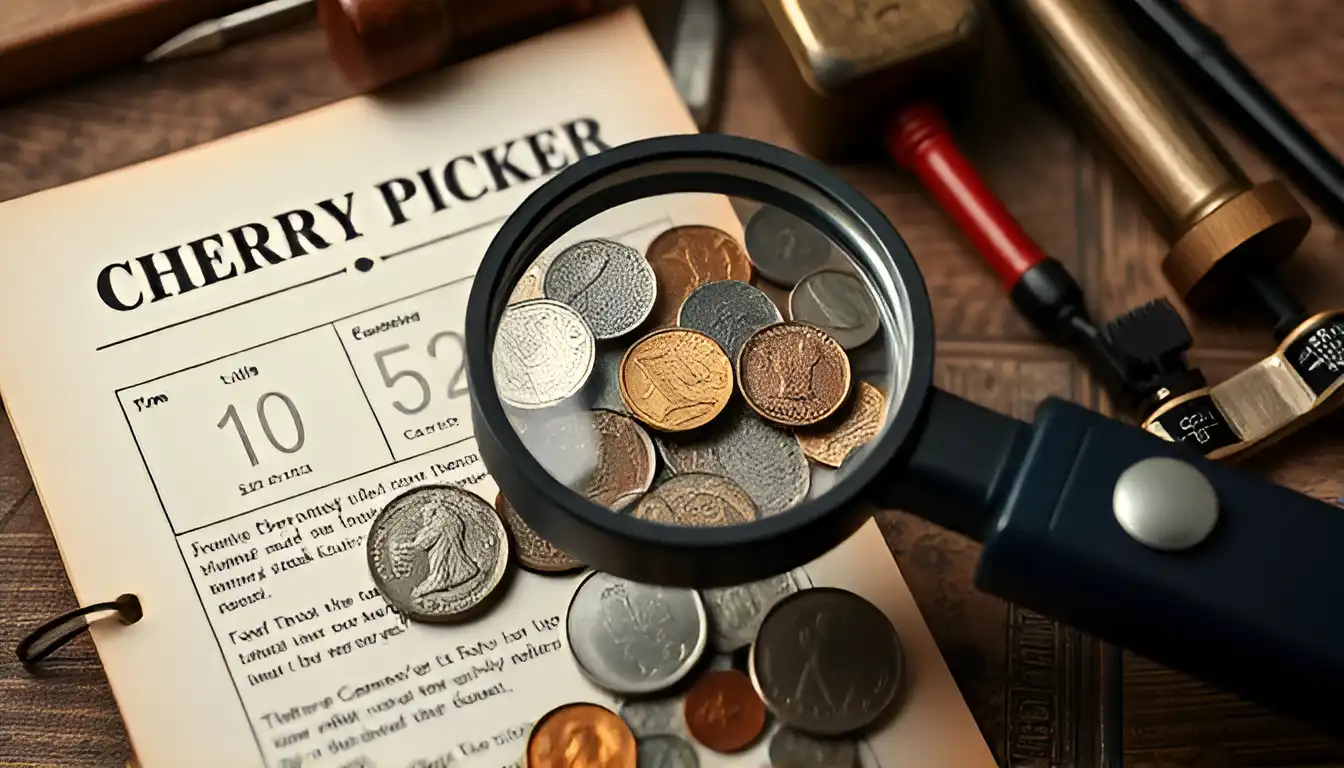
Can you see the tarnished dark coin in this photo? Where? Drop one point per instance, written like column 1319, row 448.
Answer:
column 632, row 638
column 791, row 749
column 534, row 553
column 838, row 303
column 793, row 374
column 735, row 613
column 784, row 248
column 609, row 284
column 684, row 258
column 697, row 500
column 728, row 311
column 543, row 354
column 862, row 421
column 827, row 662
column 765, row 460
column 626, row 460
column 676, row 379
column 604, row 385
column 437, row 553
column 666, row 751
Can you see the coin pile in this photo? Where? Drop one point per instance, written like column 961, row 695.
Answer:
column 670, row 385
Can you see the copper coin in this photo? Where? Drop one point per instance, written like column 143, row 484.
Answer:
column 581, row 736
column 793, row 374
column 861, row 423
column 685, row 258
column 534, row 552
column 676, row 379
column 626, row 459
column 723, row 711
column 697, row 500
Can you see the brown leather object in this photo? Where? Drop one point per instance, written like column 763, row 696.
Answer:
column 45, row 42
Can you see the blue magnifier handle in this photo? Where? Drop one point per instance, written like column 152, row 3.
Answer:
column 1195, row 565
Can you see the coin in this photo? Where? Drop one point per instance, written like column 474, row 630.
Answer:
column 633, row 638
column 735, row 613
column 626, row 460
column 826, row 661
column 437, row 552
column 793, row 374
column 610, row 285
column 838, row 303
column 765, row 460
column 666, row 751
column 862, row 421
column 534, row 552
column 684, row 258
column 580, row 734
column 564, row 441
column 791, row 749
column 653, row 717
column 676, row 379
column 728, row 311
column 697, row 500
column 604, row 385
column 723, row 711
column 528, row 286
column 543, row 354
column 784, row 248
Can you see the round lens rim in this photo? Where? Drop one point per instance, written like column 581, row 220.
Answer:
column 620, row 543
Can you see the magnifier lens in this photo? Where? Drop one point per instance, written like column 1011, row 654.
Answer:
column 698, row 360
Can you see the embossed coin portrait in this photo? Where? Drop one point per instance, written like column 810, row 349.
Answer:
column 451, row 549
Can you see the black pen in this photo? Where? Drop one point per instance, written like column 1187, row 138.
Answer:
column 1198, row 55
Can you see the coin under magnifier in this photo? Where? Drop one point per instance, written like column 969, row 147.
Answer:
column 735, row 613
column 666, row 751
column 626, row 459
column 534, row 553
column 863, row 420
column 632, row 638
column 838, row 303
column 437, row 553
column 604, row 385
column 609, row 284
column 791, row 749
column 676, row 379
column 685, row 258
column 581, row 734
column 543, row 354
column 697, row 500
column 765, row 460
column 728, row 311
column 529, row 285
column 792, row 374
column 827, row 662
column 784, row 248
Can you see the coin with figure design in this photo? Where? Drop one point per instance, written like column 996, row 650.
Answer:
column 676, row 379
column 792, row 374
column 543, row 354
column 608, row 283
column 437, row 553
column 581, row 735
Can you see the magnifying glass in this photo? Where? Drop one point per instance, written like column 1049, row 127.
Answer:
column 691, row 415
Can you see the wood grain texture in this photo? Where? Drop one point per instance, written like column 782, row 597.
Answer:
column 1031, row 685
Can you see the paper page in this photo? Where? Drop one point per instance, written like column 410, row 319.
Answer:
column 206, row 359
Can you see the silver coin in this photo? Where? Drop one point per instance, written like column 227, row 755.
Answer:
column 784, row 248
column 735, row 613
column 791, row 749
column 827, row 662
column 728, row 311
column 766, row 461
column 666, row 751
column 632, row 638
column 543, row 354
column 838, row 303
column 612, row 286
column 528, row 286
column 437, row 552
column 654, row 717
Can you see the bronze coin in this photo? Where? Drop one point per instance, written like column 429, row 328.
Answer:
column 626, row 459
column 676, row 379
column 697, row 500
column 534, row 553
column 685, row 258
column 862, row 420
column 724, row 712
column 581, row 735
column 793, row 374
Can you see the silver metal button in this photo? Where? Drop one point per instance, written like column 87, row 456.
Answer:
column 1165, row 504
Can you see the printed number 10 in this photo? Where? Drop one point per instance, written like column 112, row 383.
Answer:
column 231, row 415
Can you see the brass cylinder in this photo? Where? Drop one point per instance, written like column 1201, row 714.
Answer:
column 1204, row 205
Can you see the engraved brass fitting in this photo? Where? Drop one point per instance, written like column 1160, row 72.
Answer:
column 838, row 66
column 1205, row 206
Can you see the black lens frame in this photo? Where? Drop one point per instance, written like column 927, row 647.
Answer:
column 697, row 163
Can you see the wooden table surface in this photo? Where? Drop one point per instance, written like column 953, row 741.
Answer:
column 1049, row 179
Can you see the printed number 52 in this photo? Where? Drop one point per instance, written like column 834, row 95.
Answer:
column 457, row 386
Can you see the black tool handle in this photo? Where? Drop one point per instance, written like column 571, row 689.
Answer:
column 1257, row 606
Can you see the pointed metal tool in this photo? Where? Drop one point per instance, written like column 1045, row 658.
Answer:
column 213, row 35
